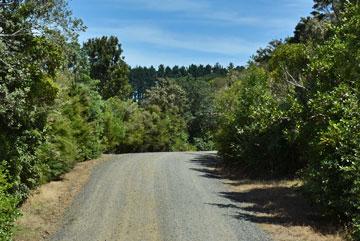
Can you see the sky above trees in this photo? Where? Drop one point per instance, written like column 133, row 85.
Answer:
column 181, row 32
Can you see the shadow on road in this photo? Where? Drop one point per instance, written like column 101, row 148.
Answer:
column 208, row 165
column 264, row 202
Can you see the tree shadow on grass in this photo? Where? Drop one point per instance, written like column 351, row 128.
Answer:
column 265, row 202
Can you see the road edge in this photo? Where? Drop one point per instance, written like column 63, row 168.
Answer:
column 43, row 211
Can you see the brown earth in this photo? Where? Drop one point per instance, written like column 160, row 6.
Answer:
column 44, row 209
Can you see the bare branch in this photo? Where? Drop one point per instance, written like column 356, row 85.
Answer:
column 12, row 34
column 5, row 63
column 292, row 80
column 5, row 3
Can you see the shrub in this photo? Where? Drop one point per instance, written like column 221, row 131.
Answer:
column 114, row 126
column 8, row 209
column 255, row 133
column 332, row 179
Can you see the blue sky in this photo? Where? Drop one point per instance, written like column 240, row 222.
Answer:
column 181, row 32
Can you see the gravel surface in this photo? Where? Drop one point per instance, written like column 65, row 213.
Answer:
column 155, row 196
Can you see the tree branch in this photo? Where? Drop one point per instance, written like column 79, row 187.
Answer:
column 293, row 81
column 11, row 34
column 4, row 3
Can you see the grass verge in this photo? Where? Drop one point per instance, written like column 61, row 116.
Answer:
column 279, row 208
column 43, row 210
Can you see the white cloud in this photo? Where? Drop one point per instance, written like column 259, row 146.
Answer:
column 161, row 38
column 203, row 10
column 167, row 5
column 140, row 32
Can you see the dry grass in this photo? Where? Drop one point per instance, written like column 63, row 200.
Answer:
column 43, row 210
column 279, row 208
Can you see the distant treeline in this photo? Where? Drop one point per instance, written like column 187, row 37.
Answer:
column 143, row 78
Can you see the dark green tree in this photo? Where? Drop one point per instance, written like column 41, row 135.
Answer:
column 161, row 71
column 168, row 72
column 108, row 66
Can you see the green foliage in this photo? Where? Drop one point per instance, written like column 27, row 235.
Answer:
column 255, row 133
column 8, row 209
column 114, row 125
column 157, row 125
column 204, row 143
column 107, row 66
column 200, row 110
column 73, row 131
column 134, row 122
column 144, row 78
column 333, row 178
column 167, row 104
column 300, row 111
column 85, row 114
column 46, row 125
column 28, row 67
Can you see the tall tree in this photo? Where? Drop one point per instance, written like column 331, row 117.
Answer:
column 108, row 66
column 331, row 9
column 34, row 40
column 161, row 71
column 168, row 72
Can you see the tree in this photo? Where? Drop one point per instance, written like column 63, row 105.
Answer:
column 142, row 79
column 263, row 55
column 231, row 66
column 28, row 67
column 168, row 96
column 201, row 114
column 208, row 69
column 332, row 178
column 176, row 72
column 168, row 72
column 35, row 42
column 167, row 104
column 331, row 9
column 161, row 71
column 108, row 66
column 310, row 29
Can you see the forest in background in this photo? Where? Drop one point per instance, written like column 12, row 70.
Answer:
column 292, row 111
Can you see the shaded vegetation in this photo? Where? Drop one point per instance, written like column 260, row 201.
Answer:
column 295, row 111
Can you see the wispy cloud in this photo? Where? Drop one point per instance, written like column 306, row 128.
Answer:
column 161, row 38
column 167, row 5
column 206, row 11
column 173, row 6
column 193, row 31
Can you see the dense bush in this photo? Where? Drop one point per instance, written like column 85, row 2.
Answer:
column 298, row 110
column 114, row 123
column 73, row 131
column 255, row 132
column 8, row 208
column 158, row 123
column 332, row 179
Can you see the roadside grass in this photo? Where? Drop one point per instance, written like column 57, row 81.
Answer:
column 277, row 206
column 42, row 212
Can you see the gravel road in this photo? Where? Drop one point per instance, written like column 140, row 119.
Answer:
column 155, row 196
